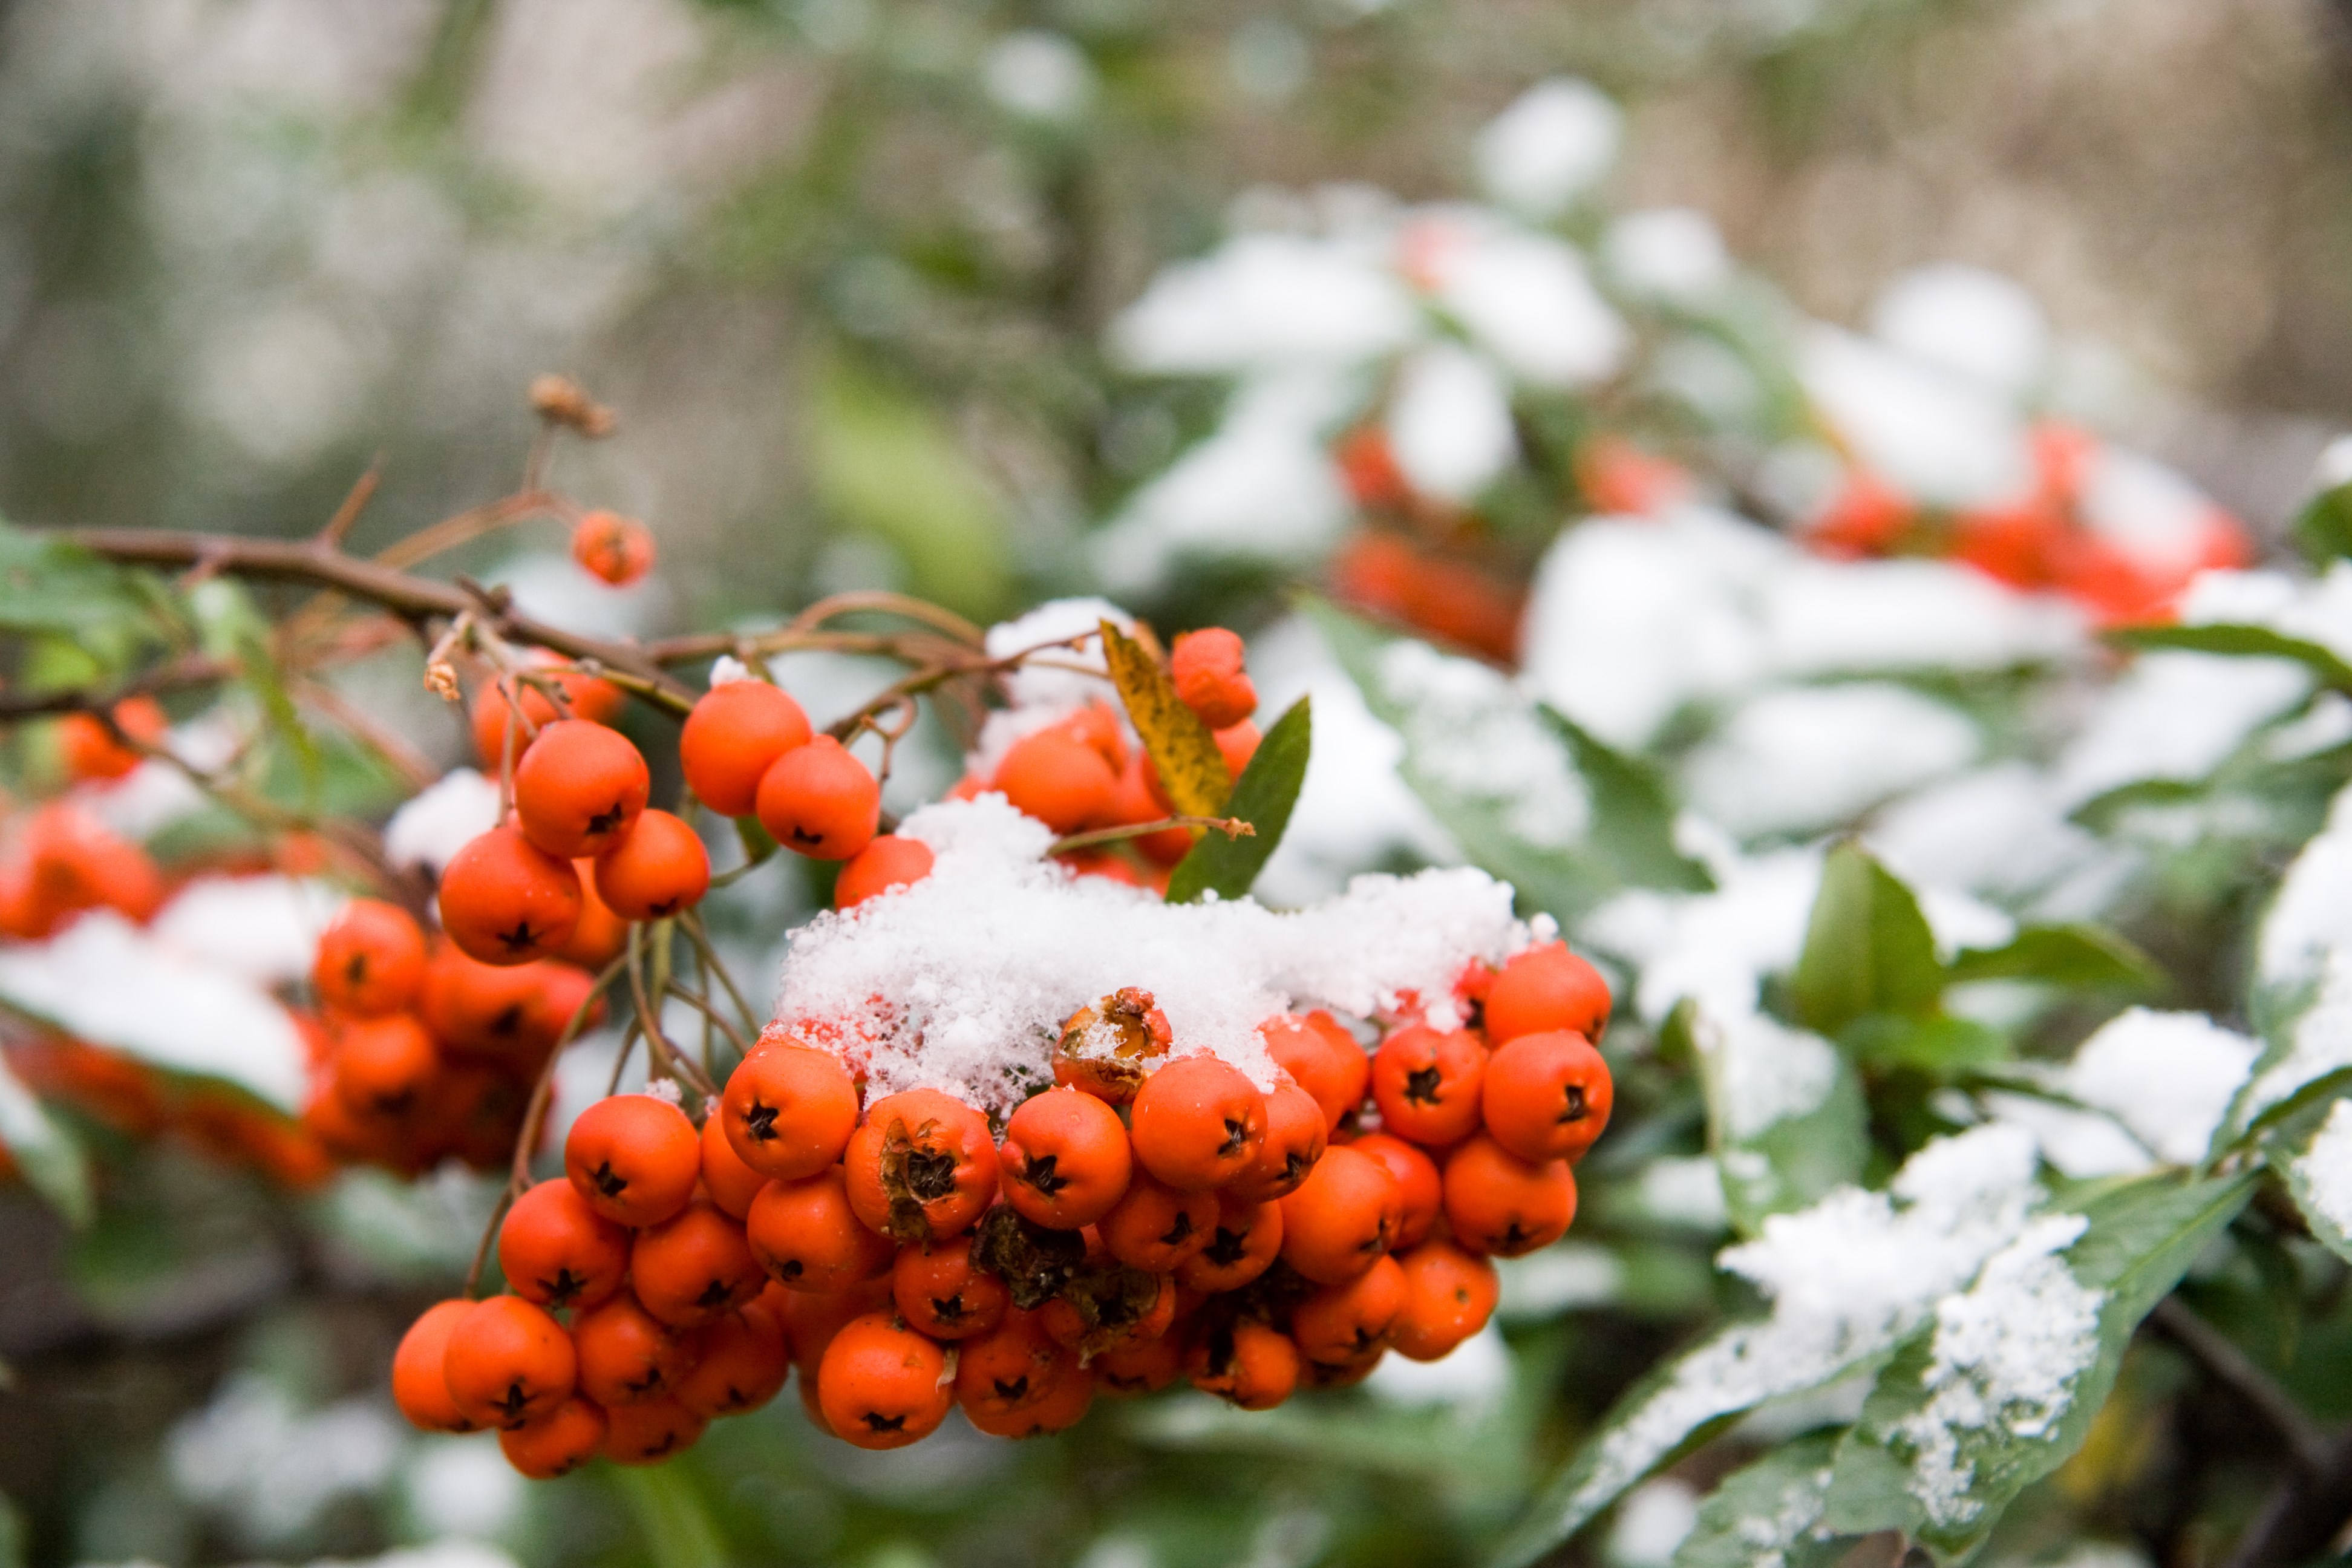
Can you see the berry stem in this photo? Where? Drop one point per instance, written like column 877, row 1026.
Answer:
column 1230, row 826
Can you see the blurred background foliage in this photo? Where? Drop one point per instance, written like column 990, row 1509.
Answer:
column 844, row 268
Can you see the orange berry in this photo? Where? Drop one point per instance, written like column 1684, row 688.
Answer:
column 626, row 1356
column 1103, row 1308
column 384, row 1066
column 1498, row 1202
column 1010, row 1368
column 90, row 749
column 617, row 548
column 1198, row 1122
column 1206, row 665
column 731, row 1184
column 1146, row 1367
column 585, row 697
column 507, row 1360
column 509, row 1015
column 1427, row 1084
column 1108, row 1046
column 1245, row 1364
column 419, row 1385
column 557, row 1443
column 1244, row 1245
column 1154, row 1226
column 649, row 1432
column 1341, row 1322
column 1546, row 1096
column 788, row 1109
column 1449, row 1295
column 807, row 1235
column 922, row 1166
column 888, row 862
column 557, row 1251
column 744, row 1362
column 1139, row 798
column 734, row 735
column 1098, row 727
column 811, row 1318
column 1323, row 1058
column 882, row 1385
column 694, row 1266
column 578, row 790
column 1059, row 778
column 1342, row 1218
column 370, row 959
column 1295, row 1140
column 1339, row 1374
column 820, row 801
column 658, row 869
column 601, row 935
column 1420, row 1189
column 940, row 1292
column 1546, row 988
column 634, row 1157
column 1065, row 1160
column 506, row 900
column 1065, row 1403
column 1237, row 743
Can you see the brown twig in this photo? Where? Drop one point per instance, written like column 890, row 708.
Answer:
column 1230, row 826
column 355, row 502
column 690, row 922
column 178, row 675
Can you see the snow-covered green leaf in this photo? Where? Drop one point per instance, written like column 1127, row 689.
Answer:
column 1785, row 1116
column 1867, row 949
column 2241, row 642
column 2312, row 1152
column 2071, row 955
column 43, row 1151
column 2003, row 1387
column 1768, row 1514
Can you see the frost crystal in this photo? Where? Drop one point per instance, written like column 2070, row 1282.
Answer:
column 962, row 981
column 1848, row 1278
column 2325, row 1168
column 2005, row 1359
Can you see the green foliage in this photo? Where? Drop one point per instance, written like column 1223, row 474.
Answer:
column 1263, row 796
column 2242, row 642
column 1868, row 949
column 1773, row 1506
column 2322, row 529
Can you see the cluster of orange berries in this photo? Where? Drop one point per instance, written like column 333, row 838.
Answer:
column 61, row 860
column 1150, row 1217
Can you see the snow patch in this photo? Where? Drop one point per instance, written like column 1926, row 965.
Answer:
column 2167, row 1077
column 2324, row 1168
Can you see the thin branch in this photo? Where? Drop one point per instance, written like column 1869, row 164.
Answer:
column 178, row 675
column 2220, row 1356
column 1230, row 826
column 692, row 923
column 734, row 1035
column 888, row 603
column 361, row 491
column 665, row 1057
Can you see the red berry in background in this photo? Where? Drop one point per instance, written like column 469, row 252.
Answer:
column 1427, row 1084
column 734, row 735
column 1206, row 665
column 506, row 900
column 1057, row 777
column 888, row 862
column 1499, row 1203
column 383, row 1068
column 90, row 752
column 578, row 790
column 819, row 801
column 1546, row 1096
column 1237, row 743
column 1546, row 988
column 788, row 1109
column 634, row 1158
column 506, row 1362
column 1197, row 1123
column 619, row 550
column 658, row 869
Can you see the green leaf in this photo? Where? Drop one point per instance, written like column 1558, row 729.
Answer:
column 1507, row 779
column 1785, row 1116
column 1961, row 1422
column 671, row 1516
column 1263, row 798
column 1867, row 948
column 2241, row 642
column 51, row 588
column 2312, row 1151
column 2323, row 529
column 1940, row 1047
column 1770, row 1512
column 44, row 1152
column 1192, row 769
column 2075, row 956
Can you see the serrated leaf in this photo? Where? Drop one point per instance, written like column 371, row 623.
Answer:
column 1770, row 1512
column 2323, row 529
column 1263, row 797
column 2312, row 1151
column 2003, row 1388
column 2233, row 641
column 44, row 1153
column 2076, row 956
column 1785, row 1115
column 1867, row 948
column 1192, row 769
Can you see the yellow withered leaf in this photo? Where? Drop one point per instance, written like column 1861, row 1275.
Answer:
column 1190, row 767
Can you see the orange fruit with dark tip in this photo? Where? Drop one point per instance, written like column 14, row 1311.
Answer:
column 789, row 1108
column 600, row 936
column 1497, row 1203
column 819, row 801
column 745, row 1358
column 940, row 1291
column 1197, row 1123
column 1153, row 1226
column 627, row 1355
column 650, row 1432
column 1065, row 1403
column 1065, row 1161
column 370, row 959
column 385, row 1068
column 888, row 862
column 557, row 1251
column 807, row 1238
column 1244, row 1244
column 1420, row 1189
column 634, row 1157
column 1546, row 988
column 1342, row 1218
column 506, row 900
column 1548, row 1096
column 1340, row 1322
column 1427, row 1083
column 1323, row 1058
column 420, row 1385
column 506, row 1362
column 1245, row 1364
column 694, row 1266
column 614, row 549
column 1124, row 1372
column 1449, row 1295
column 881, row 1384
column 584, row 697
column 733, row 736
column 658, row 869
column 557, row 1443
column 1296, row 1134
column 922, row 1166
column 1010, row 1368
column 580, row 789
